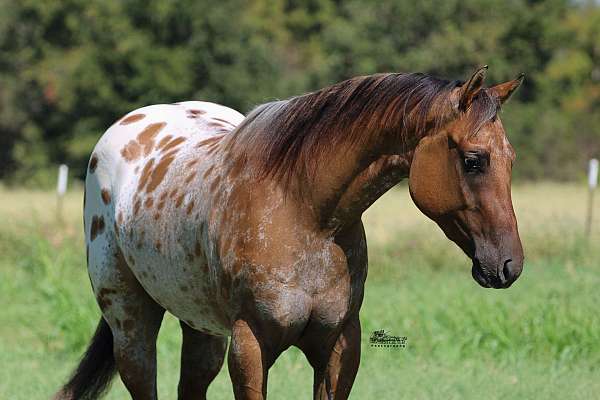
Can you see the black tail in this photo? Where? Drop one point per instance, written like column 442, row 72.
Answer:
column 96, row 369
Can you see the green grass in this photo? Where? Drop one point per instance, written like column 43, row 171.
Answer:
column 539, row 339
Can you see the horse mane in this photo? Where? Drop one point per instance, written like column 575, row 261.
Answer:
column 286, row 137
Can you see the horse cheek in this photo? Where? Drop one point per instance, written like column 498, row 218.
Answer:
column 434, row 181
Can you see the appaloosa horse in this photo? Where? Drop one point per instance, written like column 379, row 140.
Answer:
column 251, row 227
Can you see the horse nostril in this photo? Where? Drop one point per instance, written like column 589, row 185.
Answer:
column 509, row 272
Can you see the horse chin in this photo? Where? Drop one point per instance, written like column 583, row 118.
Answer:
column 479, row 276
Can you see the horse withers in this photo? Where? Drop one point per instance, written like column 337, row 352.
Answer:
column 250, row 228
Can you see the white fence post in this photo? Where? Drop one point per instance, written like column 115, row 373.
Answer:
column 61, row 189
column 592, row 183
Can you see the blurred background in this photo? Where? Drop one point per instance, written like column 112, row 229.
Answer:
column 69, row 69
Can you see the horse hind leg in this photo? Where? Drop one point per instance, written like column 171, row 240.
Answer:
column 202, row 357
column 133, row 316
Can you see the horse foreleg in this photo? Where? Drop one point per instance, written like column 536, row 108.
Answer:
column 202, row 356
column 246, row 363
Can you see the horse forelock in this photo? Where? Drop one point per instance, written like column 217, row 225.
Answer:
column 484, row 109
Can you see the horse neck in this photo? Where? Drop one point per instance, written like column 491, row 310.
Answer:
column 350, row 182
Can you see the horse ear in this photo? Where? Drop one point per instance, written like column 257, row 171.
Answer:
column 433, row 180
column 503, row 91
column 470, row 89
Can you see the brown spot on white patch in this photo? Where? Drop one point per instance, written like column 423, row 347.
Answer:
column 163, row 142
column 105, row 194
column 173, row 194
column 224, row 122
column 210, row 151
column 145, row 174
column 131, row 151
column 120, row 217
column 215, row 183
column 172, row 153
column 158, row 245
column 136, row 207
column 146, row 137
column 210, row 140
column 191, row 163
column 190, row 207
column 194, row 113
column 161, row 200
column 97, row 227
column 131, row 119
column 103, row 298
column 175, row 142
column 190, row 177
column 156, row 216
column 149, row 202
column 93, row 163
column 159, row 172
column 163, row 196
column 179, row 201
column 216, row 125
column 208, row 171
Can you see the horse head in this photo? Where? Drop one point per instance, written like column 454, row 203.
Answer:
column 460, row 177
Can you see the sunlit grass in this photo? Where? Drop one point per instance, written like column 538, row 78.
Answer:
column 539, row 339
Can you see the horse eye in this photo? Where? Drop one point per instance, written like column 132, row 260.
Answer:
column 473, row 164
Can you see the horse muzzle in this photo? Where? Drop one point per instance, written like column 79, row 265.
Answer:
column 499, row 277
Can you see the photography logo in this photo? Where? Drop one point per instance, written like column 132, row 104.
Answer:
column 381, row 339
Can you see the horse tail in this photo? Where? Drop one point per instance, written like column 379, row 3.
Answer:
column 95, row 370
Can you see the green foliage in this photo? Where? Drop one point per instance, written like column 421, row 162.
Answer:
column 69, row 69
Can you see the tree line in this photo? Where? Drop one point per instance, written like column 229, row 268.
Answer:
column 70, row 68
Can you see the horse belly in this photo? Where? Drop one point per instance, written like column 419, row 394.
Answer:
column 182, row 284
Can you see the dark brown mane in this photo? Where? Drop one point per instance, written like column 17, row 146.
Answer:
column 282, row 138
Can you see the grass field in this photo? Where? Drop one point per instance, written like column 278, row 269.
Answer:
column 538, row 340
